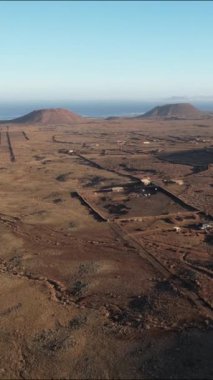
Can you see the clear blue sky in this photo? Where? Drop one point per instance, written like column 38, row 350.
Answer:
column 105, row 50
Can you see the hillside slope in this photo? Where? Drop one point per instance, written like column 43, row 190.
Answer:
column 48, row 116
column 178, row 110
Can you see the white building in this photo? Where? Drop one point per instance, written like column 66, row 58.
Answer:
column 117, row 189
column 177, row 229
column 146, row 180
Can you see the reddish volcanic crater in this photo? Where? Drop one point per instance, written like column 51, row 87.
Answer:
column 176, row 111
column 48, row 116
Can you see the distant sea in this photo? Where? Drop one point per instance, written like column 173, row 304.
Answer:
column 91, row 109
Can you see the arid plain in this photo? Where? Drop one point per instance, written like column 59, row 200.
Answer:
column 106, row 249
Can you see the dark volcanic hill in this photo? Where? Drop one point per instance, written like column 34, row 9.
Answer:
column 48, row 116
column 175, row 111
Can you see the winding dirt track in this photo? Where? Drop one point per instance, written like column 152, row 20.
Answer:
column 174, row 279
column 177, row 281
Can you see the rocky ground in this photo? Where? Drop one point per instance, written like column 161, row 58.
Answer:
column 106, row 284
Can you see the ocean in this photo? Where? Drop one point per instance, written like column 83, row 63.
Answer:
column 97, row 109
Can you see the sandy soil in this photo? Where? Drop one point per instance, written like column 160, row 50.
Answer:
column 106, row 284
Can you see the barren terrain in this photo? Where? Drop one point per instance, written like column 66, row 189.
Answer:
column 102, row 275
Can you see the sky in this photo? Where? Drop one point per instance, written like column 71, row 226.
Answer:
column 112, row 50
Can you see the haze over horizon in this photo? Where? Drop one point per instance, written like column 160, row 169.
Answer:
column 88, row 51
